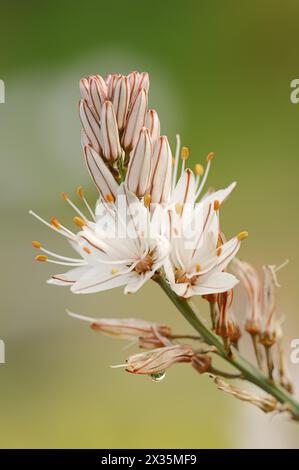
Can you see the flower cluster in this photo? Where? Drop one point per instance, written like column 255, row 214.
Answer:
column 151, row 216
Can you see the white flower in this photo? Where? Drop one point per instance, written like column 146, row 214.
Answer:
column 167, row 221
column 198, row 257
column 118, row 248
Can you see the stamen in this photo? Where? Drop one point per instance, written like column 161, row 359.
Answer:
column 147, row 200
column 199, row 169
column 176, row 161
column 73, row 206
column 109, row 197
column 41, row 258
column 79, row 221
column 36, row 244
column 80, row 192
column 242, row 235
column 114, row 271
column 45, row 258
column 87, row 250
column 55, row 223
column 210, row 157
column 216, row 205
column 184, row 157
column 56, row 229
column 179, row 208
column 219, row 251
column 185, row 153
column 197, row 267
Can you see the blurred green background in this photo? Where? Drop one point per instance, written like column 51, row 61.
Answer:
column 220, row 75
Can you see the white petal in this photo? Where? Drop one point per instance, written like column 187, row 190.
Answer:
column 68, row 278
column 97, row 280
column 215, row 283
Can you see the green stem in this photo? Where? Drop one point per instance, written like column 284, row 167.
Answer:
column 249, row 372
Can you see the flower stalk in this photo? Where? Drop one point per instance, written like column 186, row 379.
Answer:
column 248, row 371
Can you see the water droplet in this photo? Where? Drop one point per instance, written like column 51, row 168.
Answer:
column 159, row 376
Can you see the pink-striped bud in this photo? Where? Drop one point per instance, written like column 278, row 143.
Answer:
column 156, row 361
column 135, row 121
column 94, row 92
column 109, row 132
column 111, row 82
column 120, row 101
column 100, row 173
column 160, row 181
column 139, row 171
column 138, row 81
column 152, row 122
column 125, row 328
column 90, row 125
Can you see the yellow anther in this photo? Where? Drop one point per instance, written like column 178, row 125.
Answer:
column 36, row 244
column 185, row 153
column 147, row 200
column 179, row 208
column 87, row 250
column 197, row 268
column 41, row 258
column 242, row 235
column 114, row 271
column 109, row 197
column 64, row 196
column 216, row 205
column 79, row 221
column 210, row 156
column 55, row 222
column 80, row 192
column 219, row 251
column 199, row 169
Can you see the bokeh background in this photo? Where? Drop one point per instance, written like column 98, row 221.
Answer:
column 220, row 75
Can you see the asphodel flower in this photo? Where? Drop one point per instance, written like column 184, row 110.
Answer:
column 198, row 258
column 116, row 248
column 127, row 158
column 157, row 361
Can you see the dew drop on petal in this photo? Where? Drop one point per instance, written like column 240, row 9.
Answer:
column 158, row 377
